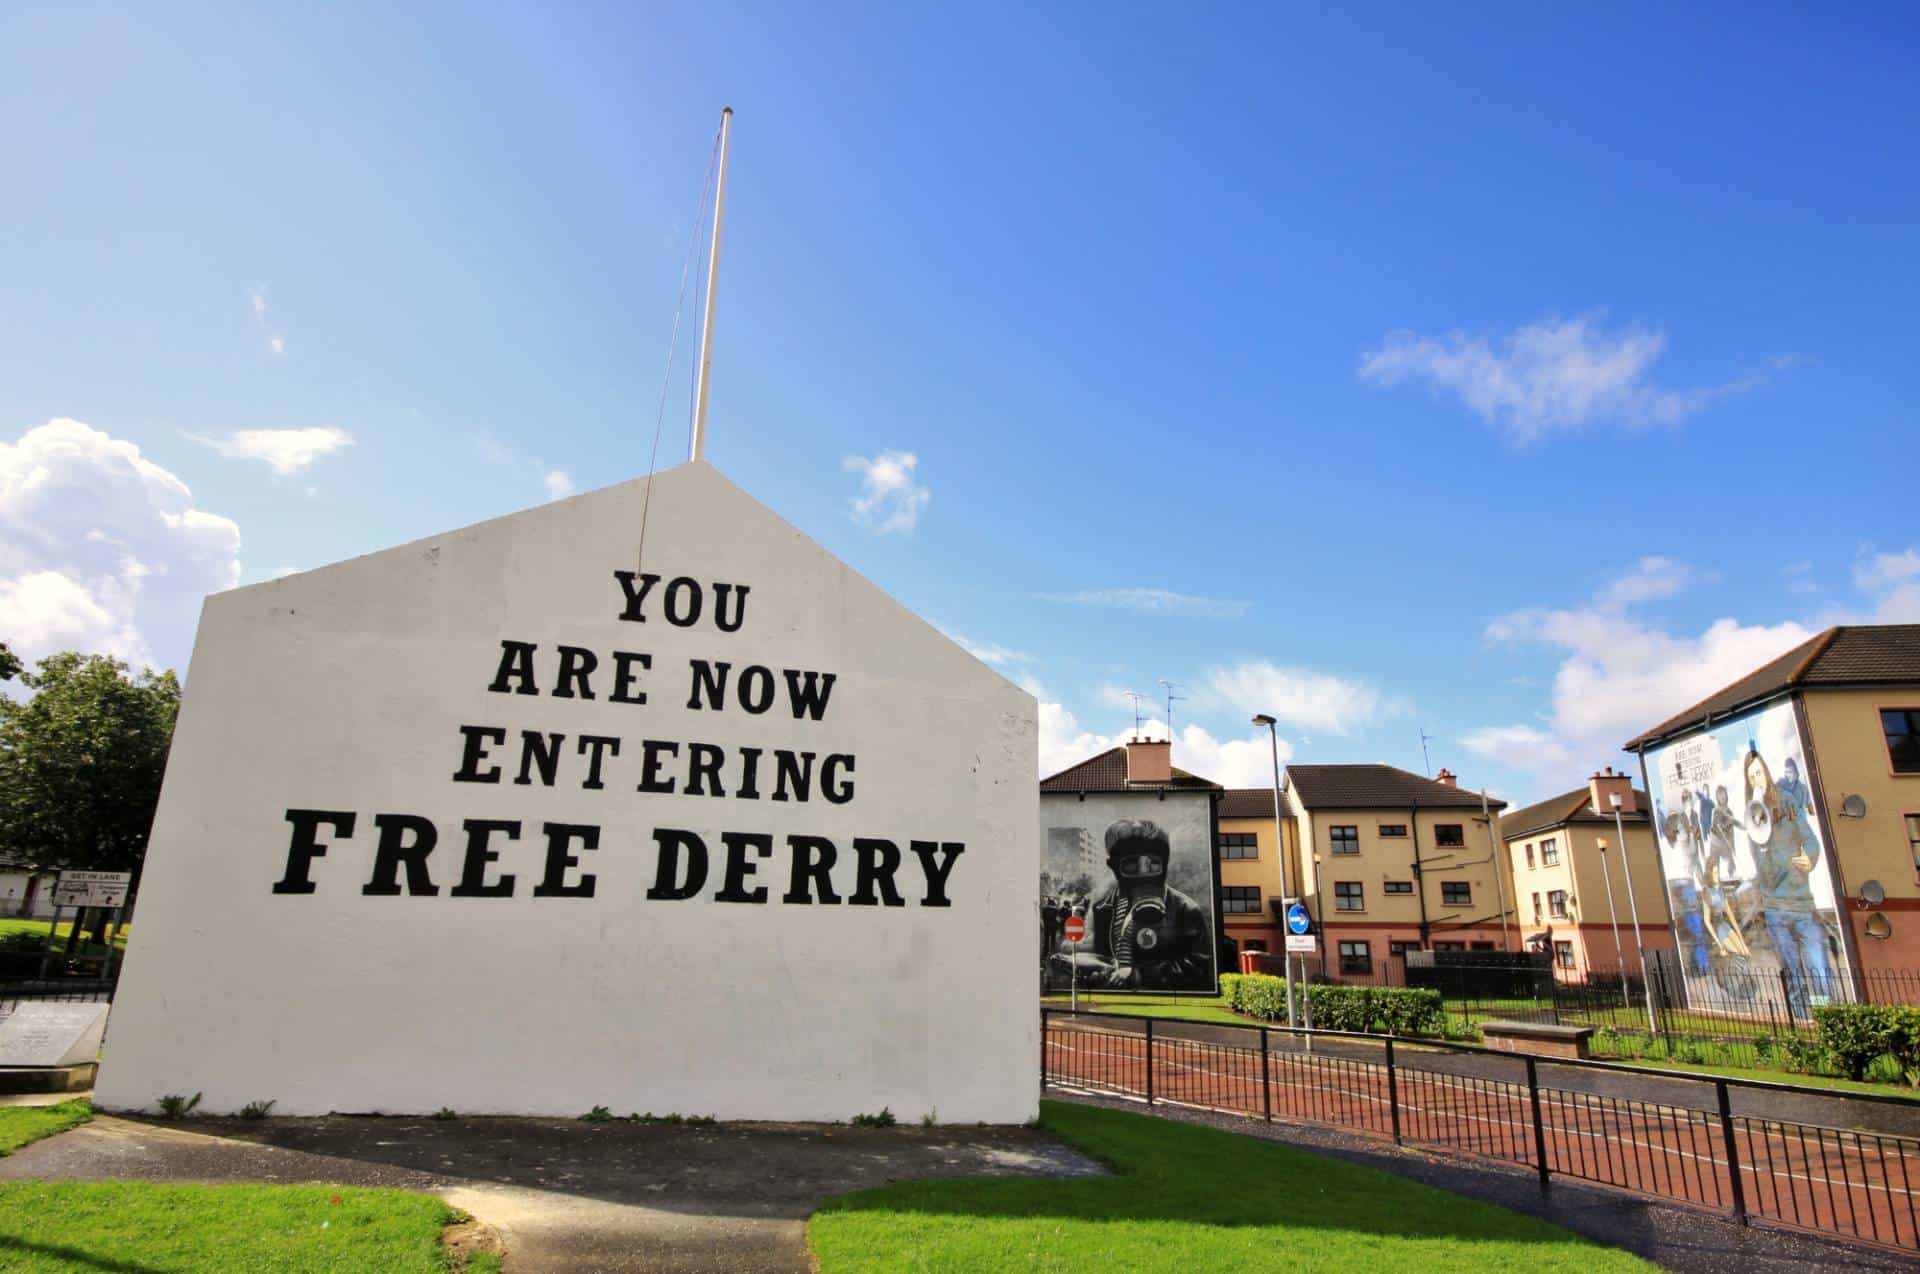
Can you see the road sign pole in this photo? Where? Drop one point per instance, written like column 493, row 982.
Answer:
column 1073, row 978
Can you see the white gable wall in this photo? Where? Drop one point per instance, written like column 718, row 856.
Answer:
column 344, row 690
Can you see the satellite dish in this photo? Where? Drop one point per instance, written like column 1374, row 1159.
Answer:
column 1853, row 807
column 1878, row 926
column 1872, row 892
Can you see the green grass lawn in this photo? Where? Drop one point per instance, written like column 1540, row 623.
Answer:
column 1186, row 1199
column 1186, row 1008
column 36, row 931
column 22, row 1125
column 75, row 1227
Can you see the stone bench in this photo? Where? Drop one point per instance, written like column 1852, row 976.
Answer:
column 1538, row 1038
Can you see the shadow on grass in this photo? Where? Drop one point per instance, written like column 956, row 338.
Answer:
column 1214, row 1198
column 69, row 1256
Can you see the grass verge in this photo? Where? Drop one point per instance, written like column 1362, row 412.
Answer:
column 16, row 934
column 1182, row 1199
column 72, row 1226
column 23, row 1125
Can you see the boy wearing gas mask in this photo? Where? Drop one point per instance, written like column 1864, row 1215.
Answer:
column 1144, row 932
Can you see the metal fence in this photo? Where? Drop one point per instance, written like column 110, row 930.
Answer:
column 1703, row 1142
column 75, row 990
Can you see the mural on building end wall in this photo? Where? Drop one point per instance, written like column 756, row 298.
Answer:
column 1748, row 879
column 1140, row 875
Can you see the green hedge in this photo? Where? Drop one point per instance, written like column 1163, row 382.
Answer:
column 1381, row 1009
column 1855, row 1036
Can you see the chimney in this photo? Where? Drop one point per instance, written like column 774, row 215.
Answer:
column 1602, row 787
column 1149, row 761
column 1445, row 778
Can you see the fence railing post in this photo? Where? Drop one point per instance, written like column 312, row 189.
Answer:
column 1539, row 1125
column 1149, row 1061
column 1393, row 1092
column 1733, row 1152
column 1266, row 1077
column 1044, row 1061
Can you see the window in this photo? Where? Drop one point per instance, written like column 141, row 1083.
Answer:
column 1239, row 845
column 1346, row 839
column 1536, row 908
column 1563, row 954
column 1406, row 886
column 1445, row 834
column 1549, row 853
column 1902, row 726
column 1529, row 855
column 1456, row 893
column 1240, row 899
column 1355, row 957
column 1254, row 944
column 1557, row 904
column 1401, row 948
column 1449, row 946
column 1393, row 831
column 1913, row 840
column 1482, row 946
column 1349, row 896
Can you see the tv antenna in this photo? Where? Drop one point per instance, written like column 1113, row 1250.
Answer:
column 1426, row 738
column 1172, row 698
column 1136, row 696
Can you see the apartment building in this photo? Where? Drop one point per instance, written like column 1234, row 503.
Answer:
column 1571, row 879
column 1392, row 861
column 1249, row 848
column 1787, row 810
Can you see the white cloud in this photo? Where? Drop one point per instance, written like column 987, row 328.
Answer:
column 1152, row 601
column 101, row 550
column 889, row 500
column 1892, row 580
column 285, row 451
column 1245, row 762
column 257, row 302
column 558, row 484
column 1523, row 748
column 1310, row 700
column 1649, row 579
column 278, row 344
column 1553, row 375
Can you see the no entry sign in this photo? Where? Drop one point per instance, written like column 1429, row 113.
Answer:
column 1076, row 928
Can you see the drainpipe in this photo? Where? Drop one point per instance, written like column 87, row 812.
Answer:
column 1419, row 878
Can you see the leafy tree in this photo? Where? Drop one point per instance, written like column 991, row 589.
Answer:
column 9, row 663
column 80, row 762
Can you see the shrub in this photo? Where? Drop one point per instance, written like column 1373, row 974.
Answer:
column 884, row 1119
column 1380, row 1009
column 598, row 1115
column 256, row 1109
column 1855, row 1036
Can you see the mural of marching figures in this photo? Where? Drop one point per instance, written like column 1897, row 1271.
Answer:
column 1748, row 878
column 1139, row 873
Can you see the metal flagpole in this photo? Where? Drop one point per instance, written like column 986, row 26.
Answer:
column 1633, row 905
column 713, row 280
column 1613, row 919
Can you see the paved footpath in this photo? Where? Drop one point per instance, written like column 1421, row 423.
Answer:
column 561, row 1194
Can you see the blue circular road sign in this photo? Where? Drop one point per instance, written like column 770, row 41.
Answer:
column 1298, row 921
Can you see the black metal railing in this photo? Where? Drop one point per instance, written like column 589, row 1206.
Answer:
column 1702, row 1141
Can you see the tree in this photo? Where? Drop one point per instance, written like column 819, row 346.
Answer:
column 81, row 761
column 9, row 663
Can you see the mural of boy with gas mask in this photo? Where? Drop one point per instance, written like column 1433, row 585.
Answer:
column 1145, row 933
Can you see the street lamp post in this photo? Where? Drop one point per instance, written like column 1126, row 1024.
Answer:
column 1633, row 905
column 1280, row 848
column 1613, row 919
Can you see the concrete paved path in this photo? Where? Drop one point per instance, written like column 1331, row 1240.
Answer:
column 561, row 1194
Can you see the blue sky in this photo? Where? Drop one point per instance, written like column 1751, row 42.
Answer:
column 1518, row 374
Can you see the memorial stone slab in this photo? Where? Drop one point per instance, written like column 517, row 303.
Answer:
column 43, row 1034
